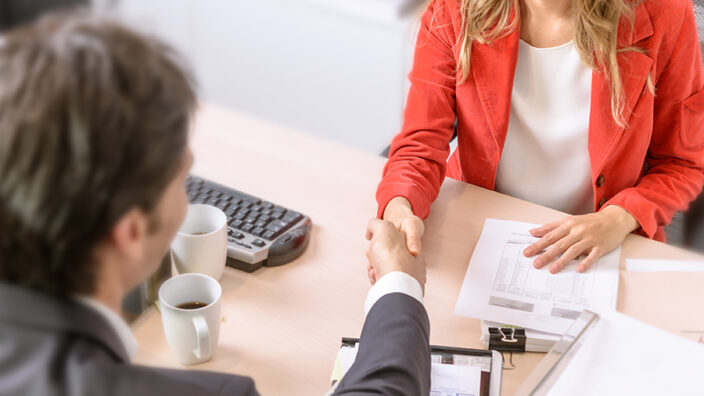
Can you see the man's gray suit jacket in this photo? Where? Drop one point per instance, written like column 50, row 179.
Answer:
column 50, row 346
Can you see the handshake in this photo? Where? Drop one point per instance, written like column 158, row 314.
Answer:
column 395, row 246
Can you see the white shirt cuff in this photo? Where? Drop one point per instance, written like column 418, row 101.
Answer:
column 393, row 282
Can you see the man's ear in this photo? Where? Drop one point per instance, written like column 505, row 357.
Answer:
column 127, row 237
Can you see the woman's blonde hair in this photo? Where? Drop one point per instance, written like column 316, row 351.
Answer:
column 595, row 36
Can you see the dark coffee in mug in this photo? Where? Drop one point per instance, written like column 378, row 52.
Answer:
column 192, row 305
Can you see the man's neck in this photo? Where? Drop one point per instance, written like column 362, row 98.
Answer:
column 109, row 288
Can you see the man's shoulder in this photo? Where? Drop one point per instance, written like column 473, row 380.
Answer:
column 43, row 361
column 137, row 380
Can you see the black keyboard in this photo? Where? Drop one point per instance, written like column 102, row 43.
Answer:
column 259, row 233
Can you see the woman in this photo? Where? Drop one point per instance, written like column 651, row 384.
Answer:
column 592, row 107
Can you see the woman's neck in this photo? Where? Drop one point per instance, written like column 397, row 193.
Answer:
column 546, row 23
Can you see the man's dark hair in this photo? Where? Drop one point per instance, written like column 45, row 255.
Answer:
column 14, row 13
column 94, row 121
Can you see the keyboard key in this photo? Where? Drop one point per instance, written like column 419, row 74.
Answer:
column 267, row 205
column 213, row 201
column 268, row 235
column 238, row 235
column 260, row 223
column 278, row 223
column 291, row 217
column 239, row 216
column 264, row 219
column 236, row 223
column 273, row 227
column 276, row 215
column 223, row 205
column 197, row 198
column 258, row 231
column 231, row 211
column 247, row 227
column 258, row 242
column 243, row 211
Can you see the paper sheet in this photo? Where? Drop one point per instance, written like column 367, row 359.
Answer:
column 502, row 285
column 622, row 356
column 455, row 380
column 642, row 265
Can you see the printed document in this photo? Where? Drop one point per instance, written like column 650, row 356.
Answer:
column 502, row 285
column 455, row 380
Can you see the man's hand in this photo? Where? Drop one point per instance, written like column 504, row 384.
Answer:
column 387, row 252
column 399, row 212
column 592, row 235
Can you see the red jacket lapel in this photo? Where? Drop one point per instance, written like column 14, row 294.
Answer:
column 604, row 133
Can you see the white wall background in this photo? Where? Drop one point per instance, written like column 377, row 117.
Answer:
column 336, row 68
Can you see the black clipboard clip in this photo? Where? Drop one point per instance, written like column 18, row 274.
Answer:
column 507, row 339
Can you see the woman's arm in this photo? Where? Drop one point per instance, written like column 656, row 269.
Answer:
column 675, row 156
column 418, row 156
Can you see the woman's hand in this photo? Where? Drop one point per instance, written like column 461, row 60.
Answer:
column 387, row 253
column 593, row 235
column 399, row 212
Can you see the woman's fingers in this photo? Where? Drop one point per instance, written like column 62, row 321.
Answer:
column 373, row 226
column 570, row 254
column 541, row 231
column 555, row 250
column 546, row 241
column 589, row 260
column 413, row 228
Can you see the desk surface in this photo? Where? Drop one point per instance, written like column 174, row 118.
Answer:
column 282, row 326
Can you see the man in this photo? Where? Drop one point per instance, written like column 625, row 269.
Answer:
column 93, row 159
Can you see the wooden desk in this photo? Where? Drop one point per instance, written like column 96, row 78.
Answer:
column 282, row 326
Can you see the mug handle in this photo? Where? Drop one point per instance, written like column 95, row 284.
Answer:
column 203, row 334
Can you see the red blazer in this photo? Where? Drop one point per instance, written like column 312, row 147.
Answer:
column 652, row 168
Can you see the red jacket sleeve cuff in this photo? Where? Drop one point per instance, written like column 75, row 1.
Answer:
column 420, row 204
column 639, row 207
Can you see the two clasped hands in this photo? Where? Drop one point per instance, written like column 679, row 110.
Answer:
column 395, row 242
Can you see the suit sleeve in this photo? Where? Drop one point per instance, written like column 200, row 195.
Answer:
column 394, row 351
column 675, row 156
column 418, row 155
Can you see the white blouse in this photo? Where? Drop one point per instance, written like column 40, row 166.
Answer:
column 545, row 158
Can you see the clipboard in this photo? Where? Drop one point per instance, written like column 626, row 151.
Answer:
column 611, row 353
column 543, row 377
column 490, row 362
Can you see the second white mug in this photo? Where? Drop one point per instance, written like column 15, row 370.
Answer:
column 201, row 243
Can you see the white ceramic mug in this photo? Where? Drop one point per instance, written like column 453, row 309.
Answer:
column 192, row 334
column 201, row 243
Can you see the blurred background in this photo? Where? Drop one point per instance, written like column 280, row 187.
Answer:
column 334, row 68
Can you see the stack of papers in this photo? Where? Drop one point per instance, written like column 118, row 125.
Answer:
column 502, row 285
